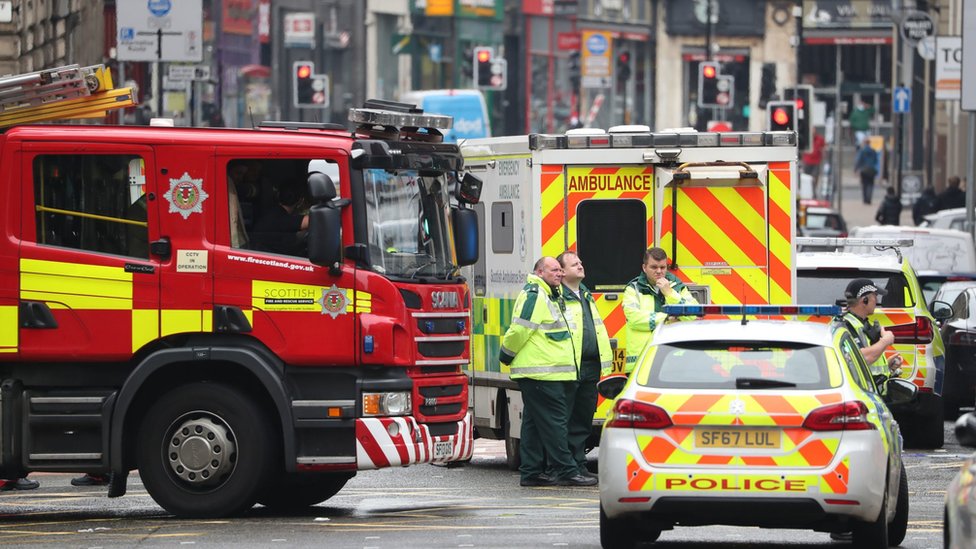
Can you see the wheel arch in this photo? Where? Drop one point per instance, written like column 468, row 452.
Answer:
column 248, row 366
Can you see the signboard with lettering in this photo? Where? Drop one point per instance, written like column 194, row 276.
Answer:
column 597, row 51
column 159, row 30
column 967, row 93
column 948, row 67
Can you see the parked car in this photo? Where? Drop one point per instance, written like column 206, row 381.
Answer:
column 959, row 522
column 936, row 250
column 932, row 283
column 821, row 221
column 953, row 218
column 959, row 335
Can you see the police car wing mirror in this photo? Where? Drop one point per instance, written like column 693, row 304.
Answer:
column 611, row 386
column 941, row 310
column 899, row 391
column 321, row 187
column 966, row 429
column 469, row 189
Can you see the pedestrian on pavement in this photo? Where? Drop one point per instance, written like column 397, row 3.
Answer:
column 889, row 212
column 22, row 483
column 953, row 196
column 90, row 480
column 860, row 121
column 593, row 354
column 644, row 299
column 866, row 165
column 927, row 203
column 813, row 159
column 538, row 349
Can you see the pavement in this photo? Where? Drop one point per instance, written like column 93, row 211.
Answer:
column 852, row 208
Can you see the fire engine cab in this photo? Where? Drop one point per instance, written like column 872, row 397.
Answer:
column 243, row 315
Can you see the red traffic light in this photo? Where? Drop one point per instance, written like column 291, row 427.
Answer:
column 484, row 56
column 780, row 116
column 799, row 103
column 303, row 71
column 708, row 71
column 624, row 57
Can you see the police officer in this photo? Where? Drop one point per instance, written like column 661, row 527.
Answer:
column 538, row 348
column 645, row 298
column 862, row 299
column 593, row 354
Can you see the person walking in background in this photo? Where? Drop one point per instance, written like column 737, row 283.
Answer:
column 813, row 159
column 645, row 298
column 593, row 354
column 866, row 165
column 538, row 349
column 953, row 196
column 927, row 203
column 889, row 212
column 860, row 121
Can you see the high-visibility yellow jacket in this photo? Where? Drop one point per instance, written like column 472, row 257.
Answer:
column 538, row 344
column 643, row 306
column 574, row 313
column 857, row 326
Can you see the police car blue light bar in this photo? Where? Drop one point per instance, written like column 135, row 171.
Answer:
column 734, row 310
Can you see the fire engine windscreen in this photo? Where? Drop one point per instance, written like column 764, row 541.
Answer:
column 408, row 220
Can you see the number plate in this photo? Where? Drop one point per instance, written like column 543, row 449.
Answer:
column 737, row 438
column 443, row 449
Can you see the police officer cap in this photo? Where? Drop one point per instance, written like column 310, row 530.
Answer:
column 861, row 287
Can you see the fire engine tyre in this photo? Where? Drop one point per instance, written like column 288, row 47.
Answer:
column 899, row 524
column 512, row 458
column 874, row 534
column 293, row 491
column 205, row 449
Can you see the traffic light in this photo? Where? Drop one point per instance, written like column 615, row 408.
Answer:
column 467, row 68
column 803, row 97
column 708, row 85
column 623, row 66
column 574, row 71
column 482, row 66
column 781, row 116
column 302, row 72
column 767, row 85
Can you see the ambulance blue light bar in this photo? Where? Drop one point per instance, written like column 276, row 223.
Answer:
column 739, row 310
column 598, row 139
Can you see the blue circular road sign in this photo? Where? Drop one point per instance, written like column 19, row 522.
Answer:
column 159, row 8
column 597, row 44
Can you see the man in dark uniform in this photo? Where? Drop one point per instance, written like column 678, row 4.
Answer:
column 282, row 229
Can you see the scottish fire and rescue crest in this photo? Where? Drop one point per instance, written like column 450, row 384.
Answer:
column 333, row 301
column 186, row 195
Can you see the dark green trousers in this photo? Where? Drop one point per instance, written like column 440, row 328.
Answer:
column 545, row 416
column 582, row 408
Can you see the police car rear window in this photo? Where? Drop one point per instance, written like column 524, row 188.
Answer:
column 827, row 286
column 731, row 365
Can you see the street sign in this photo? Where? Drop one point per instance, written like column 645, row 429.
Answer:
column 948, row 67
column 139, row 25
column 902, row 100
column 188, row 72
column 916, row 25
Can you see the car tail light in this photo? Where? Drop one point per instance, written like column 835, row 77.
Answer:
column 962, row 338
column 845, row 416
column 918, row 332
column 638, row 415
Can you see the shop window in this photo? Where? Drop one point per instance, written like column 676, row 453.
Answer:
column 611, row 237
column 92, row 202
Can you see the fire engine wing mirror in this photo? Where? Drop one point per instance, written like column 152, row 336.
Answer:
column 899, row 391
column 469, row 189
column 465, row 224
column 611, row 386
column 321, row 187
column 325, row 236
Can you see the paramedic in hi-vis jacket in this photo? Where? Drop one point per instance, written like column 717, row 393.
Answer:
column 593, row 354
column 538, row 349
column 645, row 298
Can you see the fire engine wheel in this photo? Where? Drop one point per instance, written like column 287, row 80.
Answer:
column 873, row 535
column 512, row 458
column 204, row 449
column 292, row 491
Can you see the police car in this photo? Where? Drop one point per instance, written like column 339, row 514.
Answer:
column 748, row 417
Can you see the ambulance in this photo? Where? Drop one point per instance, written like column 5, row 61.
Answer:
column 720, row 204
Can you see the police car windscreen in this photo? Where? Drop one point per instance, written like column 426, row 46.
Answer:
column 825, row 286
column 718, row 365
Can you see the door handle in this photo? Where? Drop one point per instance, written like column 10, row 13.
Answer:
column 161, row 247
column 36, row 315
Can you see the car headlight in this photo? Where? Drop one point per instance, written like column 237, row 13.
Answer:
column 386, row 404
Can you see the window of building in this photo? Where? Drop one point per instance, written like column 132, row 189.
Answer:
column 502, row 228
column 611, row 237
column 92, row 202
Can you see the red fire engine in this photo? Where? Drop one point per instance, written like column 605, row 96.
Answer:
column 167, row 305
